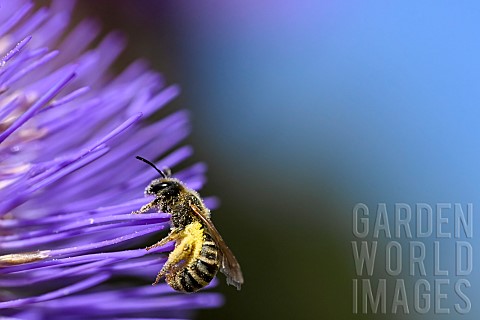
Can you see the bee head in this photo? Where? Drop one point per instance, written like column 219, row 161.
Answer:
column 166, row 185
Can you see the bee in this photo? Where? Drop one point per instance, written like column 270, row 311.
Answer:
column 199, row 249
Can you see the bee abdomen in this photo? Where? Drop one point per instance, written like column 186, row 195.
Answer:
column 199, row 272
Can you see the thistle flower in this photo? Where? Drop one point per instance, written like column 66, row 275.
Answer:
column 69, row 131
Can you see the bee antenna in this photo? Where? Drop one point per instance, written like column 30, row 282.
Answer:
column 152, row 165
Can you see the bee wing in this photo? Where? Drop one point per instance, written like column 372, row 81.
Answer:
column 230, row 266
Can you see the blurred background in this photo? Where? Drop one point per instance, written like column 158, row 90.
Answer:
column 301, row 109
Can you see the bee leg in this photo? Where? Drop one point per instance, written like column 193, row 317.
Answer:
column 154, row 204
column 178, row 257
column 173, row 235
column 170, row 265
column 159, row 277
column 170, row 268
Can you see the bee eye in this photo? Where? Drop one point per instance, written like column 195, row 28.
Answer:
column 157, row 187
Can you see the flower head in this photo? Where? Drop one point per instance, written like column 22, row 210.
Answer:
column 69, row 180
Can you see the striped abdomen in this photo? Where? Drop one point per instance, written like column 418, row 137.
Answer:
column 198, row 272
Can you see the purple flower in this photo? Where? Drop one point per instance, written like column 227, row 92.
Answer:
column 69, row 180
